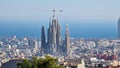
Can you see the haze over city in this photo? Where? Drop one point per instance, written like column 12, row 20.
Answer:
column 93, row 18
column 60, row 34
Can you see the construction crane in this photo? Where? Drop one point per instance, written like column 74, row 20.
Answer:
column 56, row 11
column 53, row 10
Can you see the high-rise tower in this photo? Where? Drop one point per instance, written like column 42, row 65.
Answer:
column 43, row 40
column 67, row 40
column 119, row 27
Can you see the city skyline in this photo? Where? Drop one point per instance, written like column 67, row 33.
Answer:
column 75, row 33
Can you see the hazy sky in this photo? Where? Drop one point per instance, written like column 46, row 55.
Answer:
column 95, row 18
column 72, row 9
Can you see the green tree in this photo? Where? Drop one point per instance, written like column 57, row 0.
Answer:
column 47, row 62
column 34, row 62
column 24, row 64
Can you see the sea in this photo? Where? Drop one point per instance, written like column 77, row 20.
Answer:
column 77, row 29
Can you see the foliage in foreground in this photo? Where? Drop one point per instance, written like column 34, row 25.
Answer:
column 47, row 62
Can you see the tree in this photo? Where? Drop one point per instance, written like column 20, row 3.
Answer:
column 47, row 62
column 24, row 64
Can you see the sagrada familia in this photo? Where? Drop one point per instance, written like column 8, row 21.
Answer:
column 54, row 44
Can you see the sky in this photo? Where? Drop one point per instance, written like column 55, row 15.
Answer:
column 72, row 9
column 93, row 18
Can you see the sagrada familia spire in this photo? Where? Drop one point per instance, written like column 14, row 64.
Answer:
column 67, row 40
column 54, row 36
column 54, row 44
column 43, row 40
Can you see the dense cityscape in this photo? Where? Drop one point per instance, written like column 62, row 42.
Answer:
column 70, row 52
column 59, row 34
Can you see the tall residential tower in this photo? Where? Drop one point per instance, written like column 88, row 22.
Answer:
column 119, row 27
